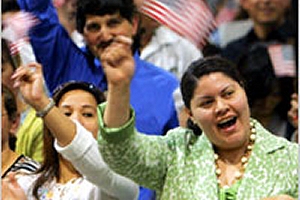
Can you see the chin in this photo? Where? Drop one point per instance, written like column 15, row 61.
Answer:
column 236, row 141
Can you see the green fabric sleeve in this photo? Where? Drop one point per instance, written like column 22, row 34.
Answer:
column 115, row 135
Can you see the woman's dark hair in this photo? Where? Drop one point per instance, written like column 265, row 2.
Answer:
column 77, row 85
column 126, row 8
column 10, row 105
column 50, row 166
column 205, row 66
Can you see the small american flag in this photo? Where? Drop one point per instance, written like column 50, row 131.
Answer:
column 18, row 25
column 191, row 19
column 15, row 32
column 283, row 60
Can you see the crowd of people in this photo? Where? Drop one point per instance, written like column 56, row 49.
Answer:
column 118, row 106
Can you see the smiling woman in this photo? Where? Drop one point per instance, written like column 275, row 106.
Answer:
column 233, row 158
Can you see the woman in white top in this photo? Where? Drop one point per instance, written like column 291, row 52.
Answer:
column 60, row 179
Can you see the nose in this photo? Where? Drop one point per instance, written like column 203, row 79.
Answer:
column 104, row 34
column 221, row 107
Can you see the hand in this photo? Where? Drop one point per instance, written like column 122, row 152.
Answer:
column 11, row 189
column 29, row 79
column 279, row 197
column 118, row 62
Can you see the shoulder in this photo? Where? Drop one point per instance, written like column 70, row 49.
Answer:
column 236, row 47
column 271, row 143
column 25, row 164
column 180, row 137
column 154, row 72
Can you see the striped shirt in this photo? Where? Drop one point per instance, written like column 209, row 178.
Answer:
column 22, row 164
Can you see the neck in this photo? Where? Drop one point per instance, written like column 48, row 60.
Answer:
column 146, row 38
column 231, row 164
column 67, row 171
column 262, row 31
column 231, row 156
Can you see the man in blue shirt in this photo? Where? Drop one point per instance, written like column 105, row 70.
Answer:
column 100, row 21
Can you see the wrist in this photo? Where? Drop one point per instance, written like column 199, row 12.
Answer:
column 43, row 109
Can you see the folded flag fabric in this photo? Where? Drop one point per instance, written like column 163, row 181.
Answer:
column 191, row 19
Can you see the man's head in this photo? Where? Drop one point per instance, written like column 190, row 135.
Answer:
column 100, row 21
column 266, row 12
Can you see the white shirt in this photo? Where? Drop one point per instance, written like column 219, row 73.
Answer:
column 170, row 51
column 75, row 189
column 84, row 154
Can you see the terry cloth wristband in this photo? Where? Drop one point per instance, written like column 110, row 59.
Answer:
column 42, row 113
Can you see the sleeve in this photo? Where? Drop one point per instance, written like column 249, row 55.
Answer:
column 34, row 5
column 140, row 157
column 84, row 154
column 52, row 45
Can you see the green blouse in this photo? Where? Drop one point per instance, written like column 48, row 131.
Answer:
column 229, row 193
column 181, row 165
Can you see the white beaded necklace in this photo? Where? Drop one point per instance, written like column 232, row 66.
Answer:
column 244, row 160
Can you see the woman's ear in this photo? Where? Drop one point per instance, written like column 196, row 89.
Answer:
column 184, row 115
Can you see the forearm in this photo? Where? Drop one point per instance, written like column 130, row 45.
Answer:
column 117, row 111
column 131, row 154
column 60, row 126
column 84, row 154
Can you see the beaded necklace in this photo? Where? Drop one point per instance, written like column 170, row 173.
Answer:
column 244, row 160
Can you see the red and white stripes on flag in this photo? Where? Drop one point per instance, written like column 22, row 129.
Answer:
column 283, row 60
column 15, row 47
column 191, row 19
column 15, row 32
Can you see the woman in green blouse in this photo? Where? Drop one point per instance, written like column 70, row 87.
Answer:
column 234, row 157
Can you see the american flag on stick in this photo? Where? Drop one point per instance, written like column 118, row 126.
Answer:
column 283, row 60
column 191, row 19
column 15, row 32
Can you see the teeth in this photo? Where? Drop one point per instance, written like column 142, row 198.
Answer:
column 225, row 121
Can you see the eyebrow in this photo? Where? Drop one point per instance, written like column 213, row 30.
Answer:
column 84, row 106
column 203, row 97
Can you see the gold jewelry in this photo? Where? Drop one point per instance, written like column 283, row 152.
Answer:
column 244, row 160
